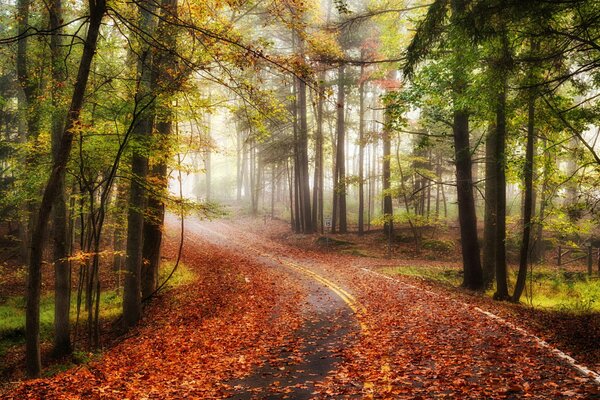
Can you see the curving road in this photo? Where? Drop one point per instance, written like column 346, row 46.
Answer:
column 407, row 342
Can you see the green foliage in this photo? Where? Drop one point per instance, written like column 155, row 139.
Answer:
column 439, row 245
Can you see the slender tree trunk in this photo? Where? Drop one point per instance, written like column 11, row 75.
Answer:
column 29, row 115
column 132, row 289
column 489, row 224
column 120, row 230
column 500, row 172
column 340, row 184
column 304, row 185
column 239, row 165
column 291, row 194
column 32, row 324
column 361, row 153
column 317, row 210
column 438, row 174
column 528, row 169
column 539, row 246
column 388, row 210
column 62, row 269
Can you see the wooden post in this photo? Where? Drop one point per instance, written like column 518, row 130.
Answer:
column 559, row 255
column 590, row 260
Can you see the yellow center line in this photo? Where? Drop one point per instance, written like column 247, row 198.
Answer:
column 360, row 311
column 350, row 300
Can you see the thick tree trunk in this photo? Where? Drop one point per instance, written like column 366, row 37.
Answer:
column 473, row 276
column 489, row 223
column 166, row 83
column 52, row 187
column 62, row 269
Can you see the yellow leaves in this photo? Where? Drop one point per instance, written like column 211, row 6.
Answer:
column 83, row 257
column 323, row 45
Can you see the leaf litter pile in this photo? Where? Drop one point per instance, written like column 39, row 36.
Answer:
column 197, row 341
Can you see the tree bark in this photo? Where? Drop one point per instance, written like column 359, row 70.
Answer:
column 489, row 223
column 62, row 269
column 132, row 289
column 388, row 209
column 52, row 187
column 500, row 172
column 473, row 276
column 317, row 210
column 166, row 83
column 528, row 169
column 361, row 153
column 340, row 162
column 304, row 186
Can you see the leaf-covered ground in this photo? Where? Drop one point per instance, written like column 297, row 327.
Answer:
column 419, row 343
column 193, row 339
column 243, row 331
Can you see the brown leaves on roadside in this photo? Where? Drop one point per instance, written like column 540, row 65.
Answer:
column 193, row 339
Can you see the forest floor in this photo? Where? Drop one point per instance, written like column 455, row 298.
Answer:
column 274, row 315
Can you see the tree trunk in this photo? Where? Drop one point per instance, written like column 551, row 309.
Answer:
column 361, row 153
column 29, row 116
column 539, row 248
column 473, row 275
column 52, row 187
column 489, row 224
column 239, row 166
column 500, row 172
column 304, row 185
column 528, row 169
column 208, row 159
column 340, row 162
column 62, row 269
column 317, row 210
column 132, row 289
column 388, row 208
column 165, row 82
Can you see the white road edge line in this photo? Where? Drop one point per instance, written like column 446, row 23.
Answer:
column 592, row 375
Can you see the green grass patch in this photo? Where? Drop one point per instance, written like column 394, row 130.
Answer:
column 547, row 287
column 563, row 291
column 446, row 276
column 182, row 276
column 12, row 310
